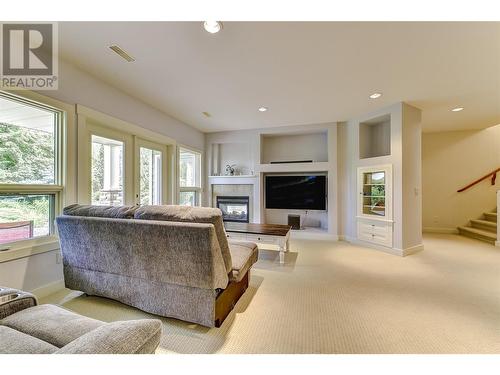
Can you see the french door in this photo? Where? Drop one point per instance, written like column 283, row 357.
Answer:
column 116, row 168
column 151, row 171
column 109, row 167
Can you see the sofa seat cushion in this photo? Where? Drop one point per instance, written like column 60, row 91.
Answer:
column 244, row 255
column 189, row 214
column 15, row 342
column 51, row 323
column 127, row 337
column 118, row 212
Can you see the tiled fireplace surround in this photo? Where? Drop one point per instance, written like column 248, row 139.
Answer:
column 234, row 190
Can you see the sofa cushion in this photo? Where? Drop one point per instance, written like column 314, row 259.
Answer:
column 15, row 342
column 51, row 323
column 127, row 337
column 119, row 212
column 244, row 255
column 190, row 215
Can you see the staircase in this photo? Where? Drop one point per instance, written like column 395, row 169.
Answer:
column 484, row 229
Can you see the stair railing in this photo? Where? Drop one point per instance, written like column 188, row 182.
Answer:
column 492, row 174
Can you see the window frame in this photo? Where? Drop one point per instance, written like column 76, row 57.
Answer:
column 198, row 190
column 55, row 189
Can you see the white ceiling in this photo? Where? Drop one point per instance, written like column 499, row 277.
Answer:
column 305, row 72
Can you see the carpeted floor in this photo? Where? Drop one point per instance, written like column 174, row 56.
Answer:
column 333, row 297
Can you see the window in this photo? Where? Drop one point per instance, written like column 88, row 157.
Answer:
column 30, row 180
column 107, row 171
column 189, row 177
column 25, row 216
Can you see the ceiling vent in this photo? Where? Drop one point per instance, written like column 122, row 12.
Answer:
column 121, row 53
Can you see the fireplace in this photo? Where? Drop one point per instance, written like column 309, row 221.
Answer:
column 234, row 209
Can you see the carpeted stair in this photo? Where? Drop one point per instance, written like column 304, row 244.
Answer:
column 484, row 229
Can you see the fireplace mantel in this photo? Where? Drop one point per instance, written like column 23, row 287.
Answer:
column 232, row 180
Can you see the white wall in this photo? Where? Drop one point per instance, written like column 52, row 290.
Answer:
column 412, row 177
column 295, row 147
column 237, row 154
column 78, row 87
column 450, row 161
column 32, row 272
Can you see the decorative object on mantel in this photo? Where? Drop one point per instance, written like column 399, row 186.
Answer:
column 230, row 169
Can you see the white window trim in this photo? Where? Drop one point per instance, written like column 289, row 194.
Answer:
column 65, row 178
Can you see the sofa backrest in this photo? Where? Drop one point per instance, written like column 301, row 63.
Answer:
column 190, row 215
column 117, row 212
column 172, row 252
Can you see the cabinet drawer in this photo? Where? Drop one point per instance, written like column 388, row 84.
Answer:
column 377, row 233
column 236, row 236
column 377, row 228
column 380, row 239
column 261, row 238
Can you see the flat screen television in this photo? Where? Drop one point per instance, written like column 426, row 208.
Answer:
column 296, row 192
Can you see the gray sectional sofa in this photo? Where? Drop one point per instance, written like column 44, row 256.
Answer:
column 29, row 328
column 173, row 261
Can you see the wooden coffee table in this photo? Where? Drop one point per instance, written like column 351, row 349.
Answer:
column 273, row 234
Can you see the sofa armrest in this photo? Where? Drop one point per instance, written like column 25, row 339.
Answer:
column 125, row 337
column 14, row 300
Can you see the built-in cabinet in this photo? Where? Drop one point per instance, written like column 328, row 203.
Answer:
column 374, row 216
column 310, row 149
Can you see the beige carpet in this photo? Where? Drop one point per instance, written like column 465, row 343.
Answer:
column 333, row 297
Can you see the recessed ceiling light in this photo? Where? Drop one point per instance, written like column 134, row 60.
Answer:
column 262, row 109
column 212, row 26
column 375, row 95
column 457, row 109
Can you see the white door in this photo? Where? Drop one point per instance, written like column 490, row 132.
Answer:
column 150, row 173
column 106, row 172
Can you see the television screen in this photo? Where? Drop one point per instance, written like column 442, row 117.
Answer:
column 296, row 192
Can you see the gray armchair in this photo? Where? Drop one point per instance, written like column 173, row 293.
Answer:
column 29, row 328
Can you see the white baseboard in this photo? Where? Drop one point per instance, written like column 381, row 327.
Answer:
column 440, row 230
column 389, row 250
column 413, row 249
column 47, row 289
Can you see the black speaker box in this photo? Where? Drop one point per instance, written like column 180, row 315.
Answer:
column 294, row 221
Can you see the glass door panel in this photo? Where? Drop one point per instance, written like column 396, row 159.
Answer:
column 107, row 171
column 187, row 198
column 150, row 173
column 150, row 176
column 374, row 193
